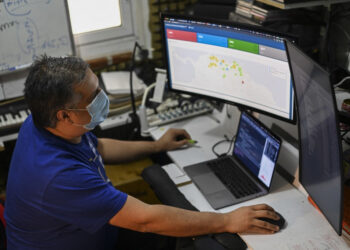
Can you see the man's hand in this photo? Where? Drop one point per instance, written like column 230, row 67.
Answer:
column 245, row 220
column 173, row 139
column 139, row 216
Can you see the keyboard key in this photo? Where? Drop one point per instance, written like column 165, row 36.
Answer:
column 233, row 177
column 2, row 121
column 23, row 115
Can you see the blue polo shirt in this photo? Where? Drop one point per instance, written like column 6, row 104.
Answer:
column 58, row 195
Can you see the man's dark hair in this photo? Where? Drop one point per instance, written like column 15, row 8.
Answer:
column 49, row 86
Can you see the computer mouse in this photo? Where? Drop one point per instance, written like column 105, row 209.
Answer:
column 230, row 241
column 281, row 222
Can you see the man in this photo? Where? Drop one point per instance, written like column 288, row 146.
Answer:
column 58, row 194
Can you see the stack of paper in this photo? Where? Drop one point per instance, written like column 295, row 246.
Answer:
column 179, row 177
column 118, row 83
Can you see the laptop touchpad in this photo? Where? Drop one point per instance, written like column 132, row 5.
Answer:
column 208, row 183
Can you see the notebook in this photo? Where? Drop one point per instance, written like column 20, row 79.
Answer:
column 244, row 175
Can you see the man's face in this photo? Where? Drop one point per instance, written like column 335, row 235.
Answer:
column 85, row 93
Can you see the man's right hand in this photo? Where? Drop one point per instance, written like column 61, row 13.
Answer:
column 245, row 220
column 161, row 219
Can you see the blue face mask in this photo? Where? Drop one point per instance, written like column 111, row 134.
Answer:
column 98, row 110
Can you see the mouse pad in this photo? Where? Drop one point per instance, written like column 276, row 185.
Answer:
column 168, row 193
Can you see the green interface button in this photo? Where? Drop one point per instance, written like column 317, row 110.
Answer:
column 244, row 46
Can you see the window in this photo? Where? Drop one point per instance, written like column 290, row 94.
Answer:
column 105, row 27
column 84, row 18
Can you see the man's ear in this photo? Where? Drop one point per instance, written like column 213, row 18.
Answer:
column 62, row 115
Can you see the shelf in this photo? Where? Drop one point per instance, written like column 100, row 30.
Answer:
column 304, row 4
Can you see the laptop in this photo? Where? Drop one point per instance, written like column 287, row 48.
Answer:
column 244, row 175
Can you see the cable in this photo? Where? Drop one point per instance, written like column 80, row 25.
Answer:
column 341, row 82
column 133, row 115
column 131, row 73
column 145, row 94
column 219, row 142
column 231, row 143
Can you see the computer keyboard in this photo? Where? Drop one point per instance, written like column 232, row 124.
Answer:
column 179, row 113
column 12, row 115
column 233, row 177
column 164, row 116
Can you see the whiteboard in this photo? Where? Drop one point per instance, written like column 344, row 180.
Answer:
column 31, row 28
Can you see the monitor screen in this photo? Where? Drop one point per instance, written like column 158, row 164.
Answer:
column 256, row 148
column 235, row 63
column 320, row 149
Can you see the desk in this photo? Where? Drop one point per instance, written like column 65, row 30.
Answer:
column 306, row 227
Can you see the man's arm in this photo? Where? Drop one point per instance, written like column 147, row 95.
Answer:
column 171, row 221
column 113, row 151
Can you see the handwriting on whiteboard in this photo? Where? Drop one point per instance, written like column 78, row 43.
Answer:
column 21, row 7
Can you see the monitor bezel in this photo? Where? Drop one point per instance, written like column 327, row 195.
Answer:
column 256, row 28
column 290, row 43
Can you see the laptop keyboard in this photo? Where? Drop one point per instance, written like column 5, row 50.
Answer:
column 239, row 184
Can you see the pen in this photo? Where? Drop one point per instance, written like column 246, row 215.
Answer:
column 190, row 141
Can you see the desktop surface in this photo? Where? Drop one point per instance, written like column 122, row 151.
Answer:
column 306, row 227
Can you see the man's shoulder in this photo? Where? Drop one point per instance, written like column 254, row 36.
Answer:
column 41, row 159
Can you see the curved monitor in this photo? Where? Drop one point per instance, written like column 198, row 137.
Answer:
column 320, row 155
column 235, row 63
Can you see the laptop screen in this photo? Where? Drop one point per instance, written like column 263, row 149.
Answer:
column 256, row 148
